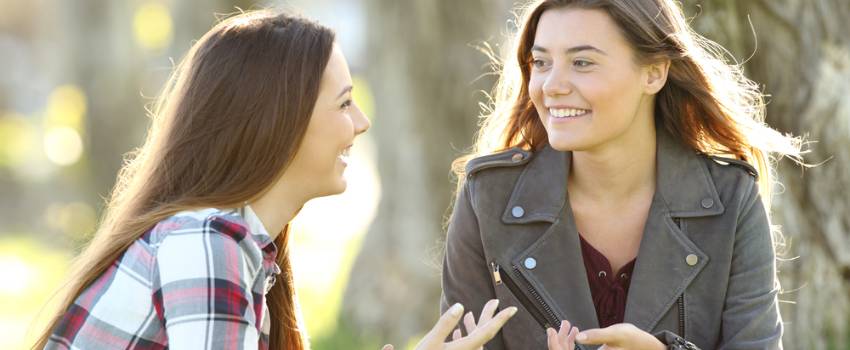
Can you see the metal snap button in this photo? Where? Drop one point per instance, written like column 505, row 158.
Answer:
column 530, row 263
column 517, row 211
column 517, row 157
column 707, row 203
column 691, row 259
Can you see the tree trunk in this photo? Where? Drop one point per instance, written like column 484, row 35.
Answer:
column 801, row 53
column 427, row 77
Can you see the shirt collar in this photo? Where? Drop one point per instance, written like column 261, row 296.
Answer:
column 257, row 228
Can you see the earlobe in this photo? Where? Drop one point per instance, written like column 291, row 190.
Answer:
column 656, row 76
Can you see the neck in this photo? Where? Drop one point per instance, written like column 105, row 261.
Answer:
column 277, row 207
column 615, row 171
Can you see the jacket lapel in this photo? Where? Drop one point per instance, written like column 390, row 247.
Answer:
column 664, row 266
column 668, row 260
column 558, row 273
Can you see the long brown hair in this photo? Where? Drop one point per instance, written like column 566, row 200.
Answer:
column 227, row 123
column 707, row 103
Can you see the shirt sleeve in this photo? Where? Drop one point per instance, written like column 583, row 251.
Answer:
column 205, row 278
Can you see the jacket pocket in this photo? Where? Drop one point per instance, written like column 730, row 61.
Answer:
column 536, row 306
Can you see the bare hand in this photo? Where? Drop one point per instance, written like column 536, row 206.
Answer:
column 563, row 339
column 477, row 334
column 621, row 336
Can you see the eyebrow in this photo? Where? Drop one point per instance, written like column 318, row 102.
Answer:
column 571, row 50
column 346, row 89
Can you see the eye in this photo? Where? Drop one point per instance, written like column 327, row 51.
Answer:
column 581, row 63
column 539, row 63
column 346, row 104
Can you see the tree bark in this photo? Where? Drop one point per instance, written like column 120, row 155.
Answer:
column 801, row 53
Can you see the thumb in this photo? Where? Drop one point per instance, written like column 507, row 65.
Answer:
column 598, row 336
column 446, row 324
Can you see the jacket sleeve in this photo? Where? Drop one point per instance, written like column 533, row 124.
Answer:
column 750, row 318
column 466, row 278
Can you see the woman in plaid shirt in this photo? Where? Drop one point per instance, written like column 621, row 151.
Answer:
column 255, row 121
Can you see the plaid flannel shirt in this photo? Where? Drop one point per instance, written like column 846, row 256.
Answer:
column 197, row 280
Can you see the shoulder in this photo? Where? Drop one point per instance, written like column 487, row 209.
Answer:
column 212, row 222
column 736, row 180
column 509, row 158
column 732, row 164
column 190, row 244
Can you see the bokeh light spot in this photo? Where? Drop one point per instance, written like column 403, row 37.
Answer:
column 63, row 145
column 152, row 26
column 66, row 106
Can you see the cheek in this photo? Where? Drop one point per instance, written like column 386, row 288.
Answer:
column 535, row 89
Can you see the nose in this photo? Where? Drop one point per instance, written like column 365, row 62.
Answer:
column 361, row 122
column 557, row 82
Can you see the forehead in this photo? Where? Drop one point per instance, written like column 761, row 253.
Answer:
column 567, row 27
column 336, row 72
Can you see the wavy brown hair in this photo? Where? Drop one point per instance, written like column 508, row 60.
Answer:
column 707, row 103
column 227, row 123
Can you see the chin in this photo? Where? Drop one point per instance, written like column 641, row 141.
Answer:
column 565, row 144
column 339, row 186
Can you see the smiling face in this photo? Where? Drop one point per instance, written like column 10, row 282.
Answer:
column 585, row 83
column 322, row 157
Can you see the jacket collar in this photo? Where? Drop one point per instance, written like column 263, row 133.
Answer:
column 683, row 183
column 684, row 189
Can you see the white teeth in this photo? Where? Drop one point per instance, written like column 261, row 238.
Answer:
column 567, row 112
column 344, row 155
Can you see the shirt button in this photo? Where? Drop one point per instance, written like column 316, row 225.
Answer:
column 707, row 203
column 530, row 263
column 517, row 157
column 691, row 259
column 602, row 274
column 517, row 211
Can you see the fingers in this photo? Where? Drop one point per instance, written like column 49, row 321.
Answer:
column 563, row 332
column 445, row 324
column 469, row 322
column 488, row 311
column 552, row 339
column 486, row 331
column 563, row 339
column 571, row 338
column 610, row 335
column 455, row 335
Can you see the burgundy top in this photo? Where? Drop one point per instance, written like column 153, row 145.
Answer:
column 609, row 290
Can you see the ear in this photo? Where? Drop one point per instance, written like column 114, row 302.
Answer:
column 656, row 76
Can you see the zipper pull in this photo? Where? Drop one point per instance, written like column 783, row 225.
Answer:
column 497, row 277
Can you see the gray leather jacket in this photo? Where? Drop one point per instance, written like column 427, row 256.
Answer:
column 705, row 270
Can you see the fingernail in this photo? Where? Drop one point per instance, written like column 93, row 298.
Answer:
column 512, row 310
column 581, row 336
column 496, row 301
column 550, row 331
column 456, row 310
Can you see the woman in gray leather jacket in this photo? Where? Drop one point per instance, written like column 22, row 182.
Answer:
column 619, row 190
